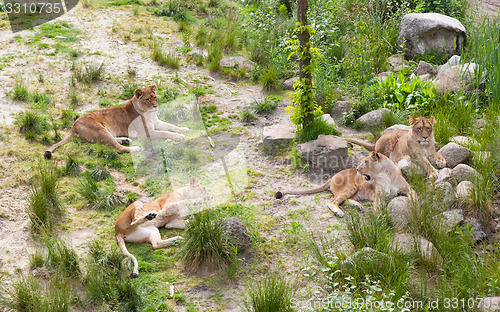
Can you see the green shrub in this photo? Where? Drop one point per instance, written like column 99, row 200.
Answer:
column 44, row 207
column 270, row 294
column 88, row 73
column 20, row 91
column 314, row 129
column 205, row 246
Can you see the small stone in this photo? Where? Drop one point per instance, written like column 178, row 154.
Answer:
column 464, row 190
column 397, row 62
column 329, row 120
column 237, row 61
column 340, row 108
column 396, row 127
column 489, row 304
column 463, row 172
column 288, row 84
column 425, row 68
column 444, row 175
column 237, row 234
column 451, row 218
column 478, row 233
column 445, row 193
column 408, row 243
column 364, row 255
column 327, row 152
column 399, row 210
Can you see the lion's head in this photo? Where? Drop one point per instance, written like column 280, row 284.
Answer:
column 195, row 190
column 421, row 129
column 374, row 164
column 145, row 99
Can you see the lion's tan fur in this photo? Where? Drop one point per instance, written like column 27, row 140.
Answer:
column 139, row 222
column 113, row 125
column 416, row 144
column 385, row 179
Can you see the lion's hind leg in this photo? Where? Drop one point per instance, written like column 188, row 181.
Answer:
column 98, row 133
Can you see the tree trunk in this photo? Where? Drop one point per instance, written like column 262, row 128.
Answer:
column 304, row 57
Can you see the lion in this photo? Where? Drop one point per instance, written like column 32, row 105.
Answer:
column 112, row 126
column 139, row 222
column 375, row 177
column 416, row 144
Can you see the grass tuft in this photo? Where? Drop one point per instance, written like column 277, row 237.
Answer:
column 315, row 128
column 88, row 73
column 270, row 294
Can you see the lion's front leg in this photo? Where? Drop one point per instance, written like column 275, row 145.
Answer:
column 167, row 135
column 165, row 126
column 438, row 159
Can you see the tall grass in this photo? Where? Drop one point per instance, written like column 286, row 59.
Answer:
column 98, row 196
column 169, row 59
column 20, row 91
column 315, row 128
column 44, row 206
column 206, row 247
column 273, row 293
column 88, row 73
column 32, row 124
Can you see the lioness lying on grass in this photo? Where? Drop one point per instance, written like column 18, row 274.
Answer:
column 139, row 222
column 112, row 125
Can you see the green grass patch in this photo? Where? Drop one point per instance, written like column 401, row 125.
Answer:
column 314, row 129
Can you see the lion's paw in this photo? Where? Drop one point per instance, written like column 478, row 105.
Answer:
column 135, row 149
column 184, row 130
column 126, row 141
column 440, row 162
column 151, row 215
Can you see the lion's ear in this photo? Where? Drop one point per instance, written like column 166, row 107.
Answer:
column 431, row 120
column 138, row 93
column 195, row 181
column 374, row 156
column 153, row 88
column 412, row 120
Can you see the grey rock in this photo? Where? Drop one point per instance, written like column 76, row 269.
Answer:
column 276, row 136
column 327, row 152
column 237, row 61
column 445, row 193
column 464, row 190
column 489, row 304
column 452, row 61
column 406, row 166
column 396, row 127
column 397, row 62
column 478, row 233
column 456, row 78
column 450, row 219
column 340, row 108
column 463, row 172
column 288, row 84
column 382, row 76
column 425, row 77
column 399, row 211
column 430, row 33
column 329, row 120
column 408, row 244
column 374, row 118
column 236, row 233
column 425, row 68
column 455, row 154
column 364, row 255
column 444, row 175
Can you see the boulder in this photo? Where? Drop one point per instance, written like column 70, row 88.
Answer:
column 463, row 172
column 424, row 33
column 456, row 78
column 450, row 219
column 408, row 244
column 374, row 118
column 406, row 166
column 397, row 62
column 382, row 76
column 237, row 62
column 396, row 127
column 464, row 190
column 489, row 304
column 288, row 84
column 236, row 233
column 455, row 154
column 425, row 68
column 327, row 152
column 365, row 255
column 425, row 77
column 478, row 233
column 340, row 108
column 399, row 211
column 276, row 136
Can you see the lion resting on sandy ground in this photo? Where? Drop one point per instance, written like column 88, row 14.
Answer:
column 376, row 176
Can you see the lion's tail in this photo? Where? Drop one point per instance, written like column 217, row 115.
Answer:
column 67, row 138
column 318, row 189
column 123, row 249
column 369, row 146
